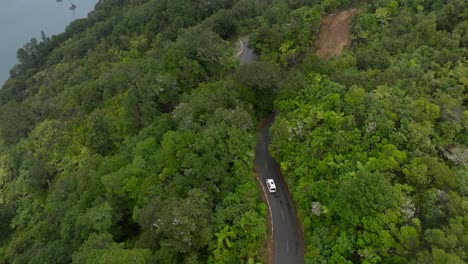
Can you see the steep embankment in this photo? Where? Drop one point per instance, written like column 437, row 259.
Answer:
column 334, row 34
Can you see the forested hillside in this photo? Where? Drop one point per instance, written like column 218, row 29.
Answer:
column 130, row 137
column 373, row 143
column 127, row 139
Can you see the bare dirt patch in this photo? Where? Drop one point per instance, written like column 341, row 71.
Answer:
column 334, row 34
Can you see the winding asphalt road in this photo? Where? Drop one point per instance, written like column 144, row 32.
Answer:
column 245, row 54
column 288, row 245
column 285, row 229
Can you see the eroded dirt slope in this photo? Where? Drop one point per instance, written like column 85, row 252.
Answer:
column 334, row 34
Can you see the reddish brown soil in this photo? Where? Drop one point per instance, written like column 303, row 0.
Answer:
column 334, row 34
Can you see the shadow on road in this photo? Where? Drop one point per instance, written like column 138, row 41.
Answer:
column 287, row 242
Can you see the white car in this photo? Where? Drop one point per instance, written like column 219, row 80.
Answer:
column 271, row 185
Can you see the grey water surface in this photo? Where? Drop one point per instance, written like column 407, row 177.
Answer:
column 21, row 20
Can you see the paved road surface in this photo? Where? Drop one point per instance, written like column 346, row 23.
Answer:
column 287, row 237
column 245, row 54
column 288, row 246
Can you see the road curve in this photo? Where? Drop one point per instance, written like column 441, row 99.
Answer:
column 245, row 54
column 288, row 244
column 286, row 235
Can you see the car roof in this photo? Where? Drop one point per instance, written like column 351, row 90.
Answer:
column 270, row 181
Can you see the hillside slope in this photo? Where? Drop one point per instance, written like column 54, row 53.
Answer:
column 126, row 139
column 374, row 142
column 335, row 34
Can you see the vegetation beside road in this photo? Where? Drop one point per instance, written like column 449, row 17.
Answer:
column 373, row 143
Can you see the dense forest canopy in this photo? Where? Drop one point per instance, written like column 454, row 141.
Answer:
column 126, row 139
column 373, row 143
column 130, row 137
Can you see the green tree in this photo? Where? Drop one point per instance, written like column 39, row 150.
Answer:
column 224, row 236
column 262, row 78
column 16, row 121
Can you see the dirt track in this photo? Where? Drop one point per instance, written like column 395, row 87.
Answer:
column 334, row 34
